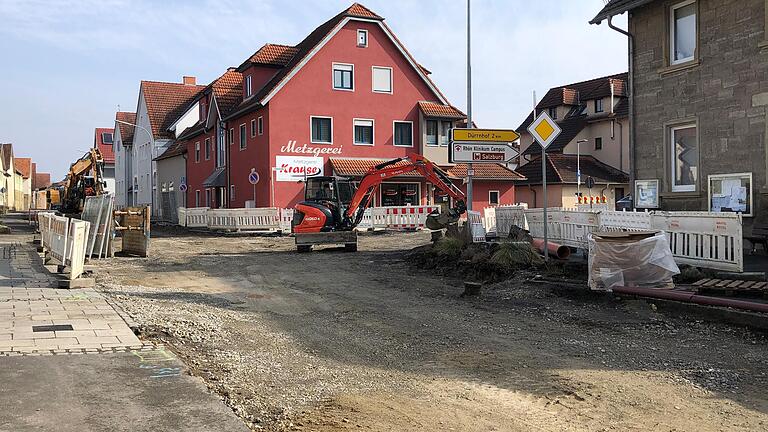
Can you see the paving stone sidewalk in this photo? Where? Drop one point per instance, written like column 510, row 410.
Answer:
column 37, row 318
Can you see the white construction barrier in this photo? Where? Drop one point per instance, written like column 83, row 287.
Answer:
column 507, row 216
column 254, row 219
column 286, row 220
column 476, row 227
column 65, row 240
column 182, row 216
column 408, row 217
column 195, row 217
column 489, row 219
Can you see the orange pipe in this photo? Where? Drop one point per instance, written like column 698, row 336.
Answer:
column 555, row 250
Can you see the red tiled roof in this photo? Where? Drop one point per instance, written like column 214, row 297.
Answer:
column 107, row 153
column 126, row 131
column 228, row 90
column 359, row 10
column 273, row 54
column 166, row 102
column 42, row 180
column 23, row 166
column 358, row 167
column 484, row 171
column 434, row 109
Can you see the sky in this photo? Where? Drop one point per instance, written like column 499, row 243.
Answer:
column 68, row 65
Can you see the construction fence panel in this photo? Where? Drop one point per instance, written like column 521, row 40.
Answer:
column 703, row 239
column 65, row 240
column 625, row 221
column 475, row 221
column 258, row 219
column 286, row 220
column 489, row 219
column 408, row 217
column 97, row 210
column 182, row 216
column 507, row 216
column 574, row 227
column 535, row 221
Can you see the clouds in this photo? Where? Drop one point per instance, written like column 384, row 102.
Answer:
column 70, row 63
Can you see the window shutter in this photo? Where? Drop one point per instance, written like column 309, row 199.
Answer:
column 382, row 79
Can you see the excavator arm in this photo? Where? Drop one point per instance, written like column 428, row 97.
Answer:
column 415, row 162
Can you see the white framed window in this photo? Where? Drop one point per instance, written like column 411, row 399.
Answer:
column 731, row 193
column 243, row 137
column 445, row 132
column 493, row 197
column 253, row 128
column 684, row 155
column 248, row 86
column 431, row 133
column 362, row 38
column 321, row 130
column 197, row 198
column 106, row 137
column 402, row 133
column 207, row 149
column 381, row 79
column 260, row 125
column 231, row 193
column 682, row 32
column 553, row 113
column 343, row 77
column 598, row 105
column 363, row 131
column 197, row 152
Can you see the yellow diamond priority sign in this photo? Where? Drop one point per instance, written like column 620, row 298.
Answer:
column 544, row 129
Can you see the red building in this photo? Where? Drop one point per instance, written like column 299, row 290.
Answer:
column 342, row 100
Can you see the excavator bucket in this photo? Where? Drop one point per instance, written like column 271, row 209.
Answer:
column 437, row 221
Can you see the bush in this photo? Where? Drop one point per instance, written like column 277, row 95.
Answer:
column 448, row 247
column 516, row 255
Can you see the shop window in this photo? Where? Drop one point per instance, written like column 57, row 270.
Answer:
column 403, row 134
column 682, row 32
column 399, row 194
column 343, row 76
column 363, row 132
column 382, row 79
column 684, row 151
column 431, row 132
column 493, row 197
column 322, row 130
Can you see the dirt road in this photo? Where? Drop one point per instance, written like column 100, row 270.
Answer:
column 362, row 341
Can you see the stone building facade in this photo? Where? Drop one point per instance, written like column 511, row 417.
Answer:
column 699, row 74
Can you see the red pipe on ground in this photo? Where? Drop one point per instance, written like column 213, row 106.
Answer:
column 693, row 298
column 555, row 250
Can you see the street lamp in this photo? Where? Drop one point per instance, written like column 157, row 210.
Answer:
column 578, row 165
column 152, row 141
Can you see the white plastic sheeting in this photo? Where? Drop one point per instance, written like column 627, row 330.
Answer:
column 644, row 262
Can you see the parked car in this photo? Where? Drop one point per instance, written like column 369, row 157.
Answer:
column 624, row 203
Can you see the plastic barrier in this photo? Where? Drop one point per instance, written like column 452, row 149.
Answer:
column 476, row 226
column 97, row 210
column 251, row 219
column 507, row 216
column 489, row 219
column 408, row 217
column 65, row 240
column 286, row 220
column 182, row 216
column 195, row 217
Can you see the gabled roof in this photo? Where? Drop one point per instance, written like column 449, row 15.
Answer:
column 561, row 168
column 42, row 180
column 570, row 128
column 617, row 7
column 228, row 90
column 166, row 102
column 176, row 149
column 23, row 166
column 7, row 155
column 434, row 109
column 306, row 48
column 107, row 152
column 576, row 93
column 270, row 55
column 126, row 131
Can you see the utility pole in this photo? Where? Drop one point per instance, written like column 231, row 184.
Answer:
column 470, row 172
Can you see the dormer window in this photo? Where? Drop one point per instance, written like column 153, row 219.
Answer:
column 248, row 86
column 553, row 113
column 202, row 111
column 106, row 138
column 362, row 38
column 598, row 105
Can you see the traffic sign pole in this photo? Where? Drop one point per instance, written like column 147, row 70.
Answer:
column 469, row 107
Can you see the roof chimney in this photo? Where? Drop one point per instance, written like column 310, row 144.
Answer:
column 189, row 80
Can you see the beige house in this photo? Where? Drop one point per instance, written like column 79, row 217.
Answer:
column 9, row 178
column 593, row 116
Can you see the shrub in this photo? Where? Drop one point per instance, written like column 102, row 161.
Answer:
column 448, row 246
column 516, row 255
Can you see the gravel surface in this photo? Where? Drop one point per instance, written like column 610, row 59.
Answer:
column 348, row 341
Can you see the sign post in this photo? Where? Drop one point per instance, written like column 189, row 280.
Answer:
column 545, row 131
column 253, row 178
column 183, row 190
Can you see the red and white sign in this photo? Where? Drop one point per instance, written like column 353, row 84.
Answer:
column 295, row 168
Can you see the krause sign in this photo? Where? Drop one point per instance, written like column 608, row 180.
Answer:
column 295, row 168
column 482, row 145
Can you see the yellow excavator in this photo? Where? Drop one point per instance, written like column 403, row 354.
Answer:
column 85, row 178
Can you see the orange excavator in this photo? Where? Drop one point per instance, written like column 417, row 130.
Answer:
column 334, row 206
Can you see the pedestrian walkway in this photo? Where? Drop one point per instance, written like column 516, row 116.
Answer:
column 37, row 318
